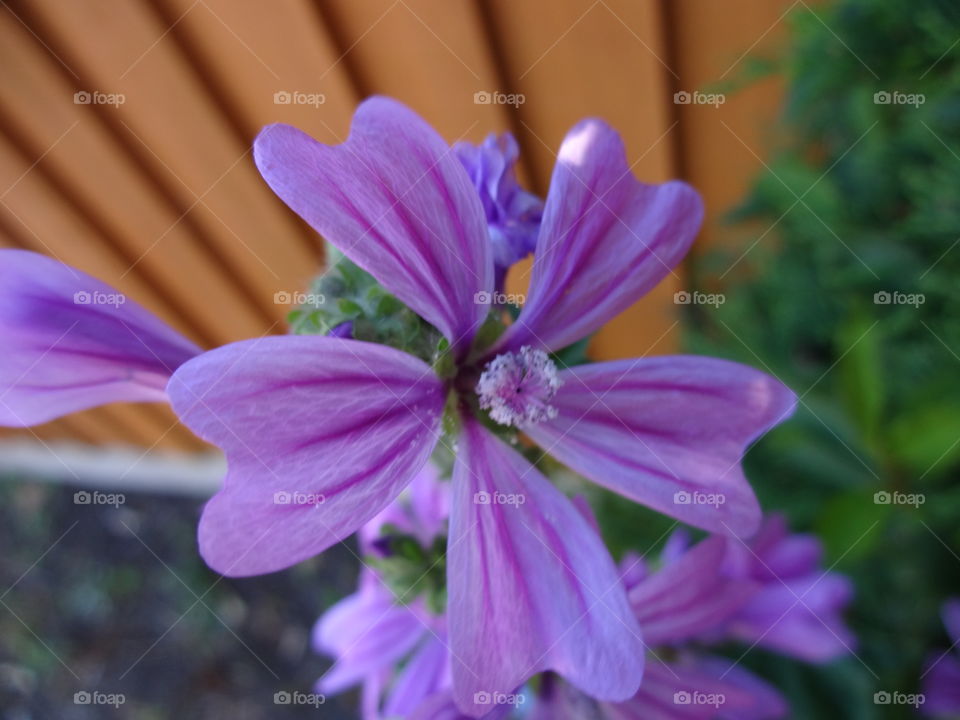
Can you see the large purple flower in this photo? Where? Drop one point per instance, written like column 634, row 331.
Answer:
column 941, row 679
column 342, row 426
column 71, row 342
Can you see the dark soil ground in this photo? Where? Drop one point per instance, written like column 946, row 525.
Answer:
column 116, row 600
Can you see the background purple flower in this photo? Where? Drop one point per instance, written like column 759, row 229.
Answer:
column 513, row 214
column 941, row 679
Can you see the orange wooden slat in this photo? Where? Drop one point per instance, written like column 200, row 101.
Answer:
column 120, row 48
column 68, row 141
column 605, row 59
column 722, row 145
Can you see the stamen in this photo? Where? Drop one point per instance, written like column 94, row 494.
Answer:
column 516, row 388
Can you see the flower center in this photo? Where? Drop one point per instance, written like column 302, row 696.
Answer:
column 516, row 388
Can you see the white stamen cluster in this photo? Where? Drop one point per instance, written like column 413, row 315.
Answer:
column 516, row 388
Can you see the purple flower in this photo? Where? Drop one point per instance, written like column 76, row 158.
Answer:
column 344, row 425
column 372, row 631
column 797, row 609
column 941, row 679
column 687, row 600
column 71, row 342
column 513, row 215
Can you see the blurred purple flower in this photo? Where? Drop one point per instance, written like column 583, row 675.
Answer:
column 370, row 633
column 684, row 602
column 941, row 679
column 513, row 214
column 71, row 342
column 797, row 609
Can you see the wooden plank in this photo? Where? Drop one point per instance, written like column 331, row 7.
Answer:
column 607, row 59
column 118, row 48
column 430, row 54
column 722, row 145
column 71, row 145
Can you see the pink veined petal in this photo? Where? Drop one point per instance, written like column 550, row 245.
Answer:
column 71, row 342
column 667, row 432
column 395, row 199
column 440, row 706
column 606, row 239
column 320, row 435
column 366, row 633
column 531, row 585
column 689, row 596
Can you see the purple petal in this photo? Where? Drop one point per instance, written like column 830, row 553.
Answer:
column 941, row 685
column 427, row 673
column 320, row 435
column 951, row 618
column 365, row 633
column 667, row 432
column 690, row 596
column 71, row 342
column 531, row 586
column 605, row 240
column 799, row 617
column 394, row 199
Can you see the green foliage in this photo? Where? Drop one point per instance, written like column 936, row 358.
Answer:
column 862, row 197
